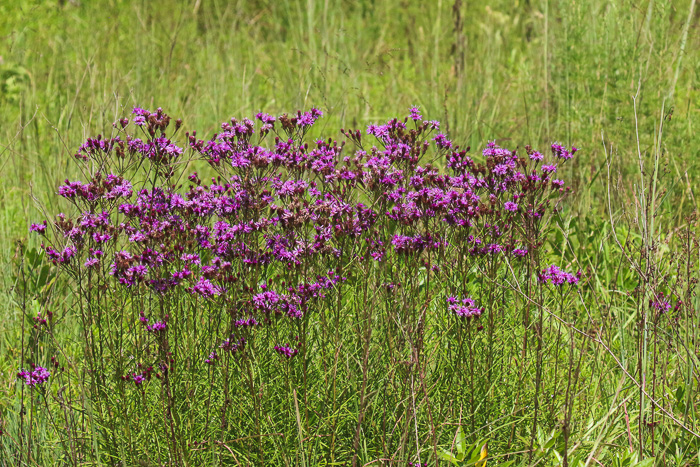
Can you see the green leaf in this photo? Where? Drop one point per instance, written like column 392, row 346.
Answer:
column 448, row 456
column 461, row 443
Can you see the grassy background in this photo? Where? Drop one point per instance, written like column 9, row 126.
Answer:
column 524, row 72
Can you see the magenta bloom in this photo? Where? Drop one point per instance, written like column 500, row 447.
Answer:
column 38, row 228
column 307, row 119
column 91, row 262
column 38, row 375
column 138, row 379
column 286, row 351
column 442, row 142
column 464, row 308
column 520, row 252
column 660, row 304
column 557, row 277
column 510, row 206
column 212, row 358
column 206, row 289
column 561, row 152
column 157, row 327
column 415, row 114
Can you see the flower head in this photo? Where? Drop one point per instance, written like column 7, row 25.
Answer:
column 558, row 277
column 415, row 114
column 38, row 375
column 463, row 308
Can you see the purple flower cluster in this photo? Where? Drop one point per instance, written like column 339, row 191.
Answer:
column 289, row 207
column 212, row 358
column 560, row 152
column 464, row 308
column 245, row 323
column 410, row 245
column 415, row 114
column 156, row 327
column 287, row 351
column 37, row 375
column 558, row 277
column 39, row 228
column 660, row 303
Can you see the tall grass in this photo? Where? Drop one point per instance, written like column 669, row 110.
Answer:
column 596, row 375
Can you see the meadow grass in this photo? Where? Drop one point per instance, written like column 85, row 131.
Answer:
column 617, row 79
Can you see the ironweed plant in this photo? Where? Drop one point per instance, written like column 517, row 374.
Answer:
column 241, row 318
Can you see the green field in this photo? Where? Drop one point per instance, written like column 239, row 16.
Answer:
column 617, row 79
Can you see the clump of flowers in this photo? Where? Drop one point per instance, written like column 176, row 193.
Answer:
column 202, row 272
column 660, row 303
column 290, row 205
column 464, row 308
column 558, row 277
column 37, row 375
column 286, row 351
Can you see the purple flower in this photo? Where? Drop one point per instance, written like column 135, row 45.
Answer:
column 493, row 150
column 660, row 304
column 40, row 320
column 157, row 327
column 71, row 189
column 133, row 275
column 212, row 358
column 561, row 152
column 558, row 277
column 38, row 375
column 286, row 351
column 494, row 248
column 536, row 156
column 520, row 252
column 137, row 379
column 510, row 206
column 502, row 169
column 287, row 212
column 38, row 228
column 206, row 289
column 442, row 142
column 464, row 308
column 119, row 188
column 266, row 301
column 62, row 257
column 101, row 238
column 307, row 119
column 415, row 114
column 245, row 323
column 265, row 118
column 408, row 245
